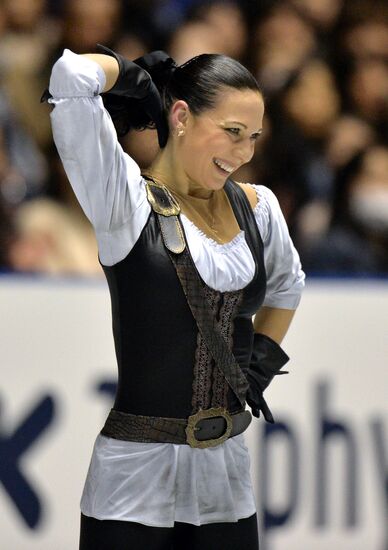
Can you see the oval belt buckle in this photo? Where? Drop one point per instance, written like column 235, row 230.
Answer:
column 191, row 427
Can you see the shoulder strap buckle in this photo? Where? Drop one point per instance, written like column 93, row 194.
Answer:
column 161, row 200
column 167, row 209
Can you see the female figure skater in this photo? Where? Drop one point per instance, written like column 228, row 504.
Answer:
column 190, row 256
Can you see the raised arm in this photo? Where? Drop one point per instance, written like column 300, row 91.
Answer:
column 106, row 181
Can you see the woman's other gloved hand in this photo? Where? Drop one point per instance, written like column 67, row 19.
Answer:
column 266, row 361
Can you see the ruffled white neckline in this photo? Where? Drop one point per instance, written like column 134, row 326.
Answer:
column 224, row 267
column 223, row 248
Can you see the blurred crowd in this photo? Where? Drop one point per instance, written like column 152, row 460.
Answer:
column 323, row 69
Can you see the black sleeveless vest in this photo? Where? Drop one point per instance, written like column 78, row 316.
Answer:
column 164, row 367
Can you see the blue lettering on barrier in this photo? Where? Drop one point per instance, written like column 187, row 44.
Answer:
column 12, row 449
column 271, row 433
column 107, row 387
column 328, row 428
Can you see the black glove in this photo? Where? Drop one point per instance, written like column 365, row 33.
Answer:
column 135, row 82
column 266, row 361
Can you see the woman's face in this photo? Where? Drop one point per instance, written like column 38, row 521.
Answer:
column 220, row 140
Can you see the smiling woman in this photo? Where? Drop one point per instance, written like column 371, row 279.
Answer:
column 190, row 257
column 212, row 145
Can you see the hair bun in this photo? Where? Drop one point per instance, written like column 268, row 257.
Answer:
column 160, row 66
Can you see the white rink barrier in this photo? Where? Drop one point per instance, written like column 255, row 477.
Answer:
column 320, row 473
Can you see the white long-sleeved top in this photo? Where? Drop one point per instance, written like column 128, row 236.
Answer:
column 159, row 483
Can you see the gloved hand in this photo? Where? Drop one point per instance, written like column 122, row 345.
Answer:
column 266, row 361
column 135, row 82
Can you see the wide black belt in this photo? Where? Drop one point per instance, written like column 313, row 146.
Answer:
column 206, row 428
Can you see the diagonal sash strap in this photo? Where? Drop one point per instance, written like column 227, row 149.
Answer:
column 172, row 233
column 214, row 340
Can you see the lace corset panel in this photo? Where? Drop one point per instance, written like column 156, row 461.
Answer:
column 210, row 388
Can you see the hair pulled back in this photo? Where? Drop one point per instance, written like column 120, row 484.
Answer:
column 198, row 82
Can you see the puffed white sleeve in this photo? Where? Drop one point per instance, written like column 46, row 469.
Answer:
column 106, row 181
column 285, row 277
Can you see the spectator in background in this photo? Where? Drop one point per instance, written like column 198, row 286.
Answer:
column 311, row 100
column 357, row 241
column 51, row 239
column 24, row 168
column 192, row 39
column 322, row 14
column 367, row 40
column 360, row 65
column 311, row 103
column 348, row 136
column 282, row 43
column 367, row 89
column 26, row 45
column 226, row 21
column 86, row 23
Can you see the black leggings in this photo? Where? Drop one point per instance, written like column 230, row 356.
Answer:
column 124, row 535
